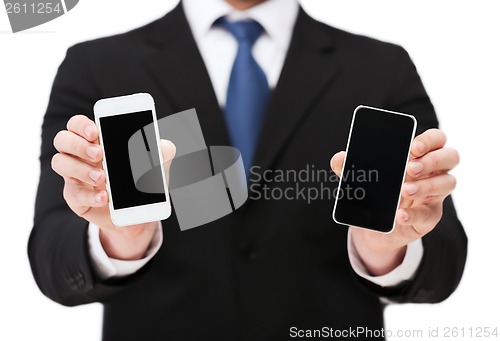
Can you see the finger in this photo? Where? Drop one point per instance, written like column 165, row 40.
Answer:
column 428, row 141
column 337, row 162
column 84, row 127
column 168, row 150
column 419, row 220
column 443, row 159
column 80, row 197
column 70, row 167
column 436, row 186
column 70, row 143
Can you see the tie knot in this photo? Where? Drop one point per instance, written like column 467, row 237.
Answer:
column 244, row 31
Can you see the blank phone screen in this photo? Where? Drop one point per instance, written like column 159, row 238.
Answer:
column 374, row 169
column 116, row 132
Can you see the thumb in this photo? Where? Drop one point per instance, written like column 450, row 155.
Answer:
column 168, row 151
column 337, row 162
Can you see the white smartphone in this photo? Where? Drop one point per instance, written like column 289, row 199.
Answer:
column 118, row 120
column 374, row 170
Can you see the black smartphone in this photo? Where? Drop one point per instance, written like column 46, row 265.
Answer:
column 378, row 150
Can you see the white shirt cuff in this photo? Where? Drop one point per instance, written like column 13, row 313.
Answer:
column 405, row 271
column 107, row 267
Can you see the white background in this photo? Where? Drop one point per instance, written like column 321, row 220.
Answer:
column 455, row 45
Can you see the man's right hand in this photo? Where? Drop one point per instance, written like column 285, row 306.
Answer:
column 78, row 161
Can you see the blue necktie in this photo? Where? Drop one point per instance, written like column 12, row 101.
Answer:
column 248, row 91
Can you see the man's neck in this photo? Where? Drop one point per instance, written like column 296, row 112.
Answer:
column 244, row 4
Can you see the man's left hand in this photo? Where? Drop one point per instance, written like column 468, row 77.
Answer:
column 427, row 184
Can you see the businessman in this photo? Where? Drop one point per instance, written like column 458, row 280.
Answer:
column 281, row 87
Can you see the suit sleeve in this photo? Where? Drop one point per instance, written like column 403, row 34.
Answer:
column 445, row 248
column 57, row 247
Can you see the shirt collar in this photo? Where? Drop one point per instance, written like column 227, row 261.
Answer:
column 277, row 17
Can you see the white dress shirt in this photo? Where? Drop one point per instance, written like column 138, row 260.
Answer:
column 218, row 49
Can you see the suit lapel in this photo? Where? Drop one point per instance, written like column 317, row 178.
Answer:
column 308, row 68
column 178, row 68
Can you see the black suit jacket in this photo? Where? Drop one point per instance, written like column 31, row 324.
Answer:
column 273, row 264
